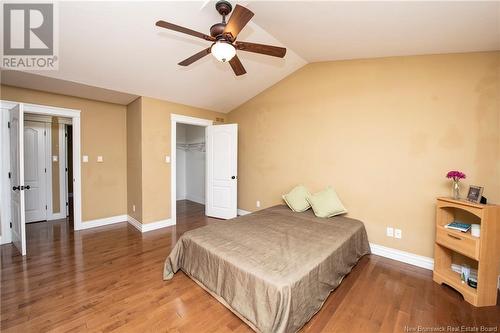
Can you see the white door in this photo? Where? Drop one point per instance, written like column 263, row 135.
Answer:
column 222, row 167
column 35, row 171
column 17, row 177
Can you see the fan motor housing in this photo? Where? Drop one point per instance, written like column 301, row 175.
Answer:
column 217, row 29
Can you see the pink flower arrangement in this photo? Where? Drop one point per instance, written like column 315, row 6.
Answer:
column 456, row 175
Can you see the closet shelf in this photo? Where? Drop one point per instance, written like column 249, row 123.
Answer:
column 199, row 146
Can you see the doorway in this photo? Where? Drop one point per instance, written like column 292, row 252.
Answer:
column 190, row 168
column 220, row 168
column 22, row 128
column 46, row 168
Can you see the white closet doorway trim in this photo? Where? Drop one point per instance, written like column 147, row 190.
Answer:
column 174, row 120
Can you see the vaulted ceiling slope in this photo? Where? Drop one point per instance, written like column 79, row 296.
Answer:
column 116, row 46
column 329, row 30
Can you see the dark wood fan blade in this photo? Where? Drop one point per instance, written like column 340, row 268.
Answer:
column 239, row 18
column 195, row 57
column 237, row 66
column 270, row 50
column 178, row 28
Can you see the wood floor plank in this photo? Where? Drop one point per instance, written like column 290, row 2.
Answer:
column 109, row 279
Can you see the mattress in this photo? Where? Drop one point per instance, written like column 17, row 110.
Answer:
column 274, row 268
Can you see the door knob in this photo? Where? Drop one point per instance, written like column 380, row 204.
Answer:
column 27, row 187
column 233, row 177
column 16, row 188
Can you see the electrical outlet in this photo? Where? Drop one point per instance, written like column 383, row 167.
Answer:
column 390, row 232
column 257, row 204
column 133, row 208
column 398, row 233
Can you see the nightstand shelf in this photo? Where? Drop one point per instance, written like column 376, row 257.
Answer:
column 484, row 250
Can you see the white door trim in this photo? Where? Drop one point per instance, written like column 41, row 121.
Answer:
column 4, row 170
column 174, row 120
column 74, row 115
column 62, row 175
column 48, row 163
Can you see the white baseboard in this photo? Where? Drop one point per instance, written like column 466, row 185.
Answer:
column 150, row 226
column 102, row 222
column 403, row 256
column 199, row 200
column 243, row 212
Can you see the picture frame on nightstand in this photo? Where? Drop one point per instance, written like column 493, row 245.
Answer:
column 475, row 193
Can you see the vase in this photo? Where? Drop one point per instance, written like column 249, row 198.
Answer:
column 455, row 190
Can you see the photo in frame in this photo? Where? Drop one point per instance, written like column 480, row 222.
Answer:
column 475, row 193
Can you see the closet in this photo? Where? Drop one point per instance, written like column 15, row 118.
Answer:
column 190, row 172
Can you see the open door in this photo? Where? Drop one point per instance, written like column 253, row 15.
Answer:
column 16, row 128
column 222, row 167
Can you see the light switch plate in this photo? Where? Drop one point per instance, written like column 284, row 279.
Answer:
column 390, row 232
column 398, row 233
column 99, row 159
column 54, row 158
column 85, row 158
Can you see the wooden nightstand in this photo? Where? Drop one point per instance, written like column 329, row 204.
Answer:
column 485, row 250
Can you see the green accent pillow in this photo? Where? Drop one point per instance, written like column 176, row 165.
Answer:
column 326, row 203
column 296, row 199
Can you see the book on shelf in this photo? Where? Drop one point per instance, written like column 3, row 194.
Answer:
column 463, row 227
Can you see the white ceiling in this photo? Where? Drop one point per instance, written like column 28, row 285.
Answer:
column 115, row 45
column 39, row 82
column 328, row 30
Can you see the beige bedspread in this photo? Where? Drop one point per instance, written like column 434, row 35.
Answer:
column 274, row 268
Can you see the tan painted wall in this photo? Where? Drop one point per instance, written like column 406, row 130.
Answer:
column 134, row 159
column 103, row 127
column 155, row 146
column 383, row 132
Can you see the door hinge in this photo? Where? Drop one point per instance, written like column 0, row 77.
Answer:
column 45, row 170
column 66, row 135
column 67, row 204
column 8, row 124
column 11, row 225
column 44, row 133
column 66, row 169
column 45, row 207
column 10, row 175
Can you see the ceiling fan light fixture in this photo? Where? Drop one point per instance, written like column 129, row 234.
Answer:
column 223, row 51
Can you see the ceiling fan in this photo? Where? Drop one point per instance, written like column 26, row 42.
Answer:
column 223, row 37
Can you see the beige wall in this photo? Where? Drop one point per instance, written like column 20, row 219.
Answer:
column 155, row 145
column 103, row 128
column 382, row 132
column 134, row 159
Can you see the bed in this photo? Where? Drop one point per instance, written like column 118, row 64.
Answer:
column 273, row 268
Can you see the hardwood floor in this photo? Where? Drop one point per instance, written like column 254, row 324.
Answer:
column 110, row 279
